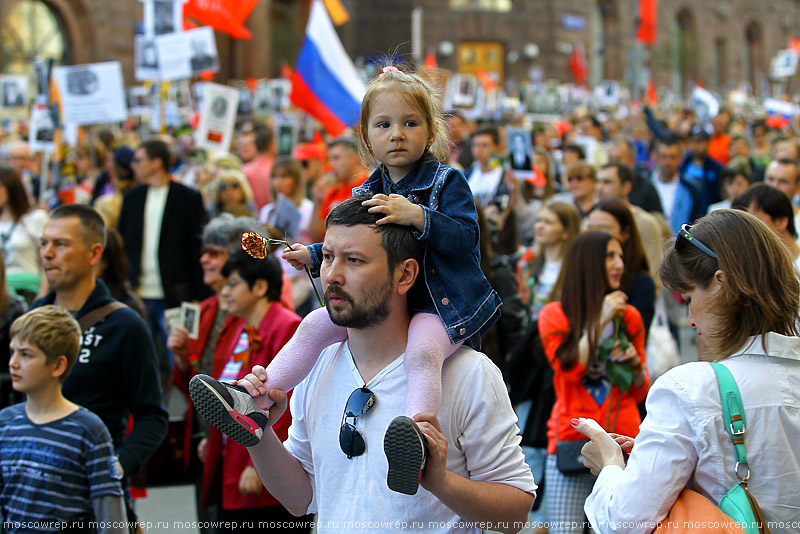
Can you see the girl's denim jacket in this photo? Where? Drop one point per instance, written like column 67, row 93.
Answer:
column 458, row 291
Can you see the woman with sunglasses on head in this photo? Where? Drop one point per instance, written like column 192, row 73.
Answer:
column 574, row 331
column 743, row 294
column 613, row 216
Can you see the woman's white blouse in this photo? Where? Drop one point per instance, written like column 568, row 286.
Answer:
column 683, row 442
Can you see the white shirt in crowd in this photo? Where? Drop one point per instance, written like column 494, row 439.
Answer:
column 150, row 281
column 683, row 442
column 484, row 185
column 351, row 494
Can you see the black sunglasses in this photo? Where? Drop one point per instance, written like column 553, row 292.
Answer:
column 350, row 439
column 684, row 236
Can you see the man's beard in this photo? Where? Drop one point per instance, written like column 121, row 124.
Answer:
column 372, row 312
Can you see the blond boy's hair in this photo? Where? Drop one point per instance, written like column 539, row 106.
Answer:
column 53, row 330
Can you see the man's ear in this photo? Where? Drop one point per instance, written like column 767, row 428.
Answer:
column 96, row 251
column 627, row 187
column 406, row 274
column 781, row 223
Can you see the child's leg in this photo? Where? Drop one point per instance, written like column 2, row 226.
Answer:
column 427, row 348
column 296, row 359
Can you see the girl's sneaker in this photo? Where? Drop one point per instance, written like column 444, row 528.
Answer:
column 230, row 408
column 406, row 448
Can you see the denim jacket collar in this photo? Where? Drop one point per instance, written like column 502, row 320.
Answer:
column 421, row 177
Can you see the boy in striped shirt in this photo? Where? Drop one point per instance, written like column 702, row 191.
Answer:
column 58, row 471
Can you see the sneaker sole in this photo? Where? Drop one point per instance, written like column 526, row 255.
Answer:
column 404, row 451
column 216, row 410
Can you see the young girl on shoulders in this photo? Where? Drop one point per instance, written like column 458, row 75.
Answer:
column 402, row 129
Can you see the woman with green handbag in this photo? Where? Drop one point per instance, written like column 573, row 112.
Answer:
column 727, row 431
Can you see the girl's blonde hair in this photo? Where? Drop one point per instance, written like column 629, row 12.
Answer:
column 418, row 90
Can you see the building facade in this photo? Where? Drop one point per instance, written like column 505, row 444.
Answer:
column 722, row 44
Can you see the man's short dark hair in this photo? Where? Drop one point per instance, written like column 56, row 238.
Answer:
column 670, row 140
column 158, row 149
column 792, row 163
column 624, row 172
column 729, row 174
column 771, row 201
column 251, row 270
column 577, row 149
column 491, row 131
column 263, row 138
column 345, row 142
column 397, row 240
column 92, row 226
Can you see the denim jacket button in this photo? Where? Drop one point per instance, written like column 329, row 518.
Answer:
column 433, row 272
column 462, row 331
column 445, row 301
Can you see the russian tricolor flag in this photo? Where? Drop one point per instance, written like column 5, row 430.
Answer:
column 325, row 83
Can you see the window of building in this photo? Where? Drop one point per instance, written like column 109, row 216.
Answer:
column 503, row 6
column 31, row 30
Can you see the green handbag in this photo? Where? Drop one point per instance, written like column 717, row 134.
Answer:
column 738, row 503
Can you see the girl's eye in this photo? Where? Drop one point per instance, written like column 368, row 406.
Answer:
column 411, row 124
column 383, row 125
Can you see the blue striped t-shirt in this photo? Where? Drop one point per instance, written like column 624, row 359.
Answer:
column 50, row 473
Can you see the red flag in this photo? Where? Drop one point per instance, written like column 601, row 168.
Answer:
column 652, row 97
column 577, row 64
column 430, row 61
column 227, row 16
column 539, row 179
column 794, row 44
column 487, row 80
column 648, row 18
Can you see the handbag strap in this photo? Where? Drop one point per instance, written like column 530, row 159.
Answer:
column 733, row 415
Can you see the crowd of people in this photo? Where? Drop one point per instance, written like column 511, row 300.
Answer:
column 520, row 302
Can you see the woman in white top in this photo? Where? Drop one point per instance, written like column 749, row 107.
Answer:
column 743, row 301
column 20, row 231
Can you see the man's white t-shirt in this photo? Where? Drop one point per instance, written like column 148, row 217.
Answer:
column 150, row 286
column 666, row 192
column 351, row 494
column 484, row 185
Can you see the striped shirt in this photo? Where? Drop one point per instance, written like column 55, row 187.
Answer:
column 50, row 473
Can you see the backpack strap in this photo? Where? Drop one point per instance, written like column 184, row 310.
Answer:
column 733, row 415
column 98, row 314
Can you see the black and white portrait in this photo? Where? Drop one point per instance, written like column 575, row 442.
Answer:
column 163, row 17
column 45, row 129
column 201, row 58
column 82, row 82
column 219, row 106
column 148, row 54
column 13, row 95
column 519, row 149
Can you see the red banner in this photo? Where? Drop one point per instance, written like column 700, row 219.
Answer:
column 648, row 19
column 227, row 16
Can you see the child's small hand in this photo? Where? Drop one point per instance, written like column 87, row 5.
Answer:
column 298, row 255
column 398, row 210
